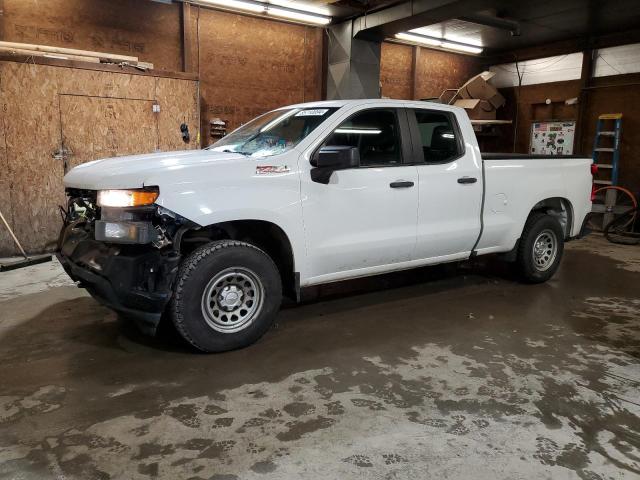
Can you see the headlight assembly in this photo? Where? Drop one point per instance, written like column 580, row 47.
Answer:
column 127, row 198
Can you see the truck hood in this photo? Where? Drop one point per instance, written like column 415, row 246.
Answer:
column 134, row 171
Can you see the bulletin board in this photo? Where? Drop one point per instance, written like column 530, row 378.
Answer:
column 553, row 137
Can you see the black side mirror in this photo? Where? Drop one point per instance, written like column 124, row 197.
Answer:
column 329, row 159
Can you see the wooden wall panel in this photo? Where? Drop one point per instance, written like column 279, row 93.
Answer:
column 396, row 76
column 105, row 84
column 250, row 65
column 438, row 71
column 530, row 103
column 103, row 114
column 112, row 122
column 6, row 244
column 32, row 134
column 179, row 102
column 148, row 30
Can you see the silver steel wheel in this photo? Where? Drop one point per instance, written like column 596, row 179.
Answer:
column 545, row 250
column 232, row 300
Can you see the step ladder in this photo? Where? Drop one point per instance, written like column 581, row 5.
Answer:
column 611, row 152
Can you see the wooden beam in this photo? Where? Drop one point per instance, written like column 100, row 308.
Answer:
column 415, row 63
column 187, row 59
column 586, row 77
column 22, row 52
column 110, row 57
column 1, row 19
column 100, row 67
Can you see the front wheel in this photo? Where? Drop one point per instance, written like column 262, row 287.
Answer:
column 540, row 248
column 227, row 295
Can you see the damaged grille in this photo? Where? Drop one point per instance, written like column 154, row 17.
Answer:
column 81, row 204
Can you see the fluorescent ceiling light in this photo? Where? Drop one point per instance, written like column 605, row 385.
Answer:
column 438, row 42
column 462, row 48
column 283, row 10
column 302, row 6
column 300, row 16
column 419, row 39
column 237, row 4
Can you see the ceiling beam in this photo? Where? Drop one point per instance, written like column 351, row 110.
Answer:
column 496, row 22
column 412, row 14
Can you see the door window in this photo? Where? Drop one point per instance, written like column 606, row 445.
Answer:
column 438, row 136
column 375, row 133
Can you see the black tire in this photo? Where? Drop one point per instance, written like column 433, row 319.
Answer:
column 194, row 314
column 538, row 268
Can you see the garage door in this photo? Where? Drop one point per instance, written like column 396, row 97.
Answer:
column 101, row 127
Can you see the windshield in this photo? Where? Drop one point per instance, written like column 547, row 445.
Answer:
column 274, row 132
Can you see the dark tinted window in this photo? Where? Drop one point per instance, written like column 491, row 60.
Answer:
column 438, row 136
column 375, row 133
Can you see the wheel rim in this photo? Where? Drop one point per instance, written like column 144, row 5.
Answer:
column 545, row 250
column 232, row 300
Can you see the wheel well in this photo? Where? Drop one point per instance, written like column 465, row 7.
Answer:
column 560, row 208
column 267, row 236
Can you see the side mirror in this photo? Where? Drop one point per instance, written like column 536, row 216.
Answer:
column 329, row 159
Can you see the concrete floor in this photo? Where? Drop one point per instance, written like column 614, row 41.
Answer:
column 442, row 373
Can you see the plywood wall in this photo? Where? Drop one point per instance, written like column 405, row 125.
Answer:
column 249, row 66
column 436, row 71
column 45, row 107
column 396, row 72
column 148, row 30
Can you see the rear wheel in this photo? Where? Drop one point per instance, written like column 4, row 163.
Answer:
column 226, row 296
column 540, row 248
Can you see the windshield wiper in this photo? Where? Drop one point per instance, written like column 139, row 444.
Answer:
column 235, row 151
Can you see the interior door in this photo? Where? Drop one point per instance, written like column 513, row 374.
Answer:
column 450, row 180
column 102, row 127
column 365, row 217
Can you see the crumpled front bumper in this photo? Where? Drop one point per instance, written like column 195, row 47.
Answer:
column 135, row 281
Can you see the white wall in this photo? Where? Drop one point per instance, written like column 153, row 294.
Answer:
column 617, row 60
column 541, row 70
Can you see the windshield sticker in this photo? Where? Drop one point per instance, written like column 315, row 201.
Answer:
column 271, row 169
column 318, row 112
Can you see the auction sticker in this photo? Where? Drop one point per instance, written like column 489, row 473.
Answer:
column 316, row 112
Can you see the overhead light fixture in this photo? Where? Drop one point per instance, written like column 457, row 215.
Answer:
column 237, row 5
column 419, row 39
column 281, row 11
column 298, row 15
column 438, row 42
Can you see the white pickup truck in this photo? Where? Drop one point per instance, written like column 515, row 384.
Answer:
column 304, row 195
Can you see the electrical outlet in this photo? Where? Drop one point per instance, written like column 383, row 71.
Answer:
column 156, row 108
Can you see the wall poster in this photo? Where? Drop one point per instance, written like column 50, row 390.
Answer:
column 552, row 138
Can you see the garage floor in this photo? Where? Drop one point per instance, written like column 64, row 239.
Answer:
column 457, row 374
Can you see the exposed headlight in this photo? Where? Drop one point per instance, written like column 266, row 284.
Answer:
column 127, row 198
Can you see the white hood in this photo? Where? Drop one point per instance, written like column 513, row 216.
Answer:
column 133, row 171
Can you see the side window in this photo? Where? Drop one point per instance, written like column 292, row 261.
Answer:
column 438, row 136
column 375, row 133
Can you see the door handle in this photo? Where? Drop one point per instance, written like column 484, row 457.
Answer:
column 401, row 184
column 467, row 180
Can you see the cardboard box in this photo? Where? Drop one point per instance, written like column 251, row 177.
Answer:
column 477, row 109
column 478, row 88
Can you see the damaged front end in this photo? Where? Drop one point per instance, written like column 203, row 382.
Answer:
column 125, row 257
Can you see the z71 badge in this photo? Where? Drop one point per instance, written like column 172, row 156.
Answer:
column 271, row 169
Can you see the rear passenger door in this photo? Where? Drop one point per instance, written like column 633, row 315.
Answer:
column 450, row 186
column 363, row 220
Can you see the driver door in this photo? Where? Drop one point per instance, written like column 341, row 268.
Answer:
column 363, row 221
